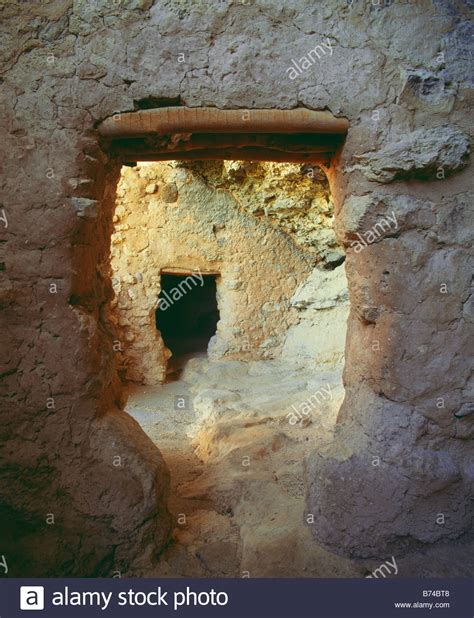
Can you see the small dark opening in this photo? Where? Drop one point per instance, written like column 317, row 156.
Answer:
column 186, row 316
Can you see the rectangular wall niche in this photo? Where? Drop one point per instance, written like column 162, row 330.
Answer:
column 292, row 136
column 187, row 314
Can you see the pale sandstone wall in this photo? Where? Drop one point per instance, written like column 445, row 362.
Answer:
column 168, row 217
column 65, row 67
column 322, row 307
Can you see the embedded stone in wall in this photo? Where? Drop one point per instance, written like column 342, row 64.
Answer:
column 85, row 208
column 424, row 153
column 169, row 193
column 367, row 219
column 423, row 88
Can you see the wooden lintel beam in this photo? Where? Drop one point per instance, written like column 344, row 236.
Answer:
column 167, row 120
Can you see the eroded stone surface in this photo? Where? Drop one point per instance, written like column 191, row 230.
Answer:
column 424, row 153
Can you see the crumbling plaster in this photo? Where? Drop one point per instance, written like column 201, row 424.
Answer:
column 66, row 66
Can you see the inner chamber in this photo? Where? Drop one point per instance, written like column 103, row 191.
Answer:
column 187, row 314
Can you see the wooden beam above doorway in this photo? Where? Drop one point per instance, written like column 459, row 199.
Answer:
column 166, row 120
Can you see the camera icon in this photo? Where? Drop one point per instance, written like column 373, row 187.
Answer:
column 32, row 597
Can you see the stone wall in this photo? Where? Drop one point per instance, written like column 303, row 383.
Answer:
column 172, row 217
column 322, row 307
column 66, row 66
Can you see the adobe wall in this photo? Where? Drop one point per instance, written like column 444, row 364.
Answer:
column 66, row 66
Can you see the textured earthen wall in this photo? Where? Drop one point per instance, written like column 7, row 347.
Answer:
column 322, row 307
column 234, row 218
column 67, row 66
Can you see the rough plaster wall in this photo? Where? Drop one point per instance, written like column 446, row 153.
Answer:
column 68, row 65
column 168, row 217
column 322, row 306
column 293, row 198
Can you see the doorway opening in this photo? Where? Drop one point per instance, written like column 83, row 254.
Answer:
column 231, row 303
column 186, row 316
column 257, row 343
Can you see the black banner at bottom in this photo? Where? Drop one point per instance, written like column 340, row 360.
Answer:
column 237, row 598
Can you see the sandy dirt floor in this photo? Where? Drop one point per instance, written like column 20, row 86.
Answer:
column 235, row 436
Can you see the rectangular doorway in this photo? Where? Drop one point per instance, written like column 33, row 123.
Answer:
column 186, row 315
